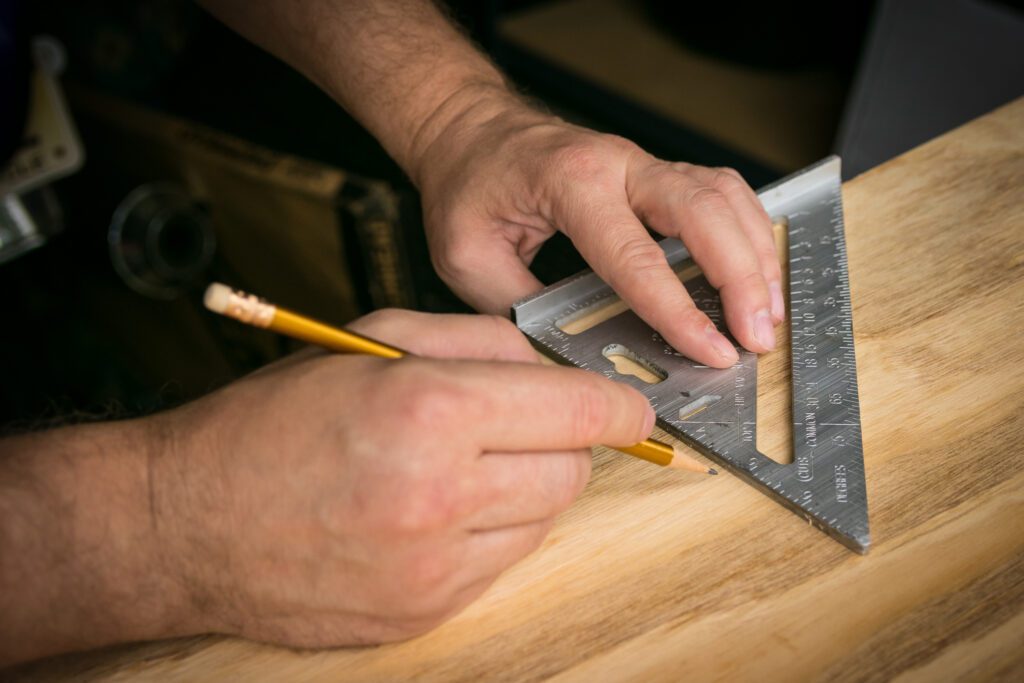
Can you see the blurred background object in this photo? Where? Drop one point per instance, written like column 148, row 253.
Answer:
column 208, row 159
column 47, row 150
column 756, row 86
column 160, row 240
column 928, row 67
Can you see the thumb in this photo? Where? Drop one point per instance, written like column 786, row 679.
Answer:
column 481, row 337
column 489, row 275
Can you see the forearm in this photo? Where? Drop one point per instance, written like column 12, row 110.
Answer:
column 398, row 66
column 79, row 557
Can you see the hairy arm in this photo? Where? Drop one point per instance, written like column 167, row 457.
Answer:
column 398, row 66
column 79, row 549
column 498, row 177
column 324, row 500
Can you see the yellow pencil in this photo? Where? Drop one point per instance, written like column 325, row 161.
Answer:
column 250, row 309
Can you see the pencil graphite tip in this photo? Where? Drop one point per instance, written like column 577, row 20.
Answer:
column 712, row 470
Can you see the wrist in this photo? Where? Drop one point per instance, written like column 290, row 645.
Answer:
column 84, row 558
column 117, row 495
column 465, row 118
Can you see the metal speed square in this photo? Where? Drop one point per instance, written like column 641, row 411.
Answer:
column 714, row 411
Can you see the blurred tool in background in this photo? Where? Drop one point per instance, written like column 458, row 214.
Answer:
column 47, row 150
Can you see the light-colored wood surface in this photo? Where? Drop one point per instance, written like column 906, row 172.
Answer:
column 661, row 576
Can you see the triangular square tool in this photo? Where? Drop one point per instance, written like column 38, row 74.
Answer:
column 714, row 410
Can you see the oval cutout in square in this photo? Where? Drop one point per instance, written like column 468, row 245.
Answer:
column 694, row 407
column 631, row 365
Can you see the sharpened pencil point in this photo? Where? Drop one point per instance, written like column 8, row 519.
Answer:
column 682, row 460
column 712, row 470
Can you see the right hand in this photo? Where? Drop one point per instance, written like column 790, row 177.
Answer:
column 330, row 499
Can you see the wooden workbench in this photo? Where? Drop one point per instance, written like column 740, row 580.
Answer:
column 656, row 575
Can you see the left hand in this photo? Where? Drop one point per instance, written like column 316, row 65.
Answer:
column 495, row 188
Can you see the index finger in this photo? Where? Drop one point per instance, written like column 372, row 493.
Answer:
column 447, row 335
column 520, row 407
column 616, row 245
column 710, row 221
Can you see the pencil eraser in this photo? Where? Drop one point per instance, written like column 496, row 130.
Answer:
column 216, row 297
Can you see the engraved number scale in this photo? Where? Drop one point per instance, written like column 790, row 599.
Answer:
column 714, row 410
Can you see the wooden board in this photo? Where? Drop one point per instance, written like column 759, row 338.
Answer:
column 662, row 576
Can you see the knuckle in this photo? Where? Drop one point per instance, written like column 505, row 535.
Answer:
column 770, row 263
column 503, row 328
column 583, row 466
column 728, row 182
column 624, row 147
column 424, row 401
column 580, row 160
column 592, row 413
column 448, row 269
column 707, row 200
column 461, row 257
column 642, row 255
column 451, row 258
column 420, row 506
column 508, row 342
column 681, row 167
column 567, row 483
column 592, row 157
column 423, row 495
column 731, row 172
column 674, row 184
column 694, row 319
column 751, row 281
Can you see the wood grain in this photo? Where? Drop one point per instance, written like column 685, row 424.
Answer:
column 659, row 576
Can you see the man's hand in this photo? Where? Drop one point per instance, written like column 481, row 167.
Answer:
column 338, row 499
column 324, row 500
column 500, row 179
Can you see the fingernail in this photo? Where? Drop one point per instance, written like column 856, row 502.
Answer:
column 778, row 303
column 649, row 420
column 764, row 331
column 722, row 346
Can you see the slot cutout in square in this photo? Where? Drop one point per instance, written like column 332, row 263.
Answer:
column 630, row 364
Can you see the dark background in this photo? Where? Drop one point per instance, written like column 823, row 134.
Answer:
column 78, row 343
